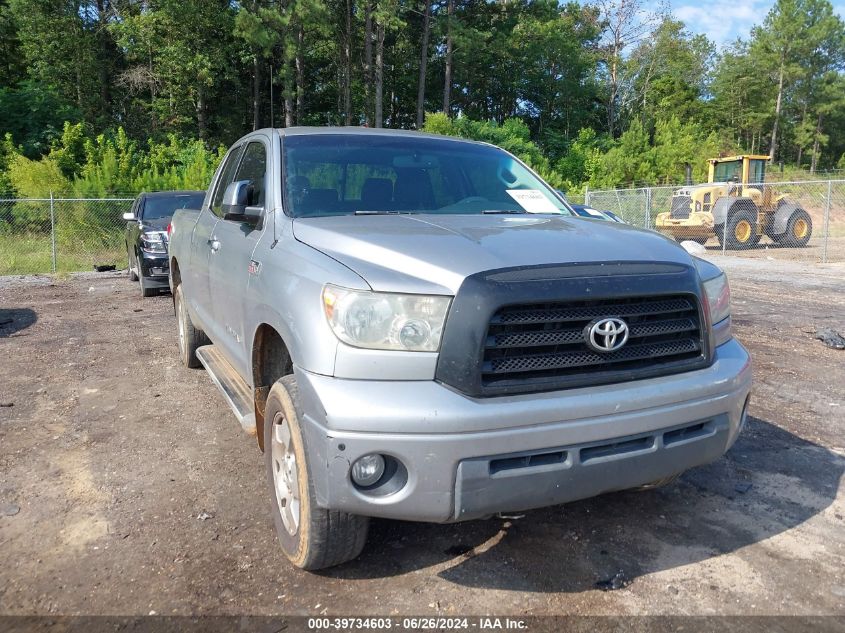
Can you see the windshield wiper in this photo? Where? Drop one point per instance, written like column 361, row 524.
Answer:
column 376, row 212
column 506, row 211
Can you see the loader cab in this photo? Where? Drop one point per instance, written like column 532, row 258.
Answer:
column 748, row 170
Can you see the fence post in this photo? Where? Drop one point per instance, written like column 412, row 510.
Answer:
column 587, row 195
column 648, row 207
column 827, row 220
column 52, row 233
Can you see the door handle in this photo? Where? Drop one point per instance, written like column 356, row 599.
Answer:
column 214, row 243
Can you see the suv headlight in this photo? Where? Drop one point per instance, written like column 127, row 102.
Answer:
column 383, row 320
column 719, row 300
column 153, row 242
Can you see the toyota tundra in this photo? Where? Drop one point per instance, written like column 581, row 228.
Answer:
column 418, row 327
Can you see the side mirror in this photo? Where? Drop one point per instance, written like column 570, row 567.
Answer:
column 235, row 201
column 128, row 216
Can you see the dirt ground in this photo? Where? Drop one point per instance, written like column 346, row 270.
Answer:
column 110, row 450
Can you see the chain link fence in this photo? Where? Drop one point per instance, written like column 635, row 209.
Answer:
column 43, row 235
column 799, row 221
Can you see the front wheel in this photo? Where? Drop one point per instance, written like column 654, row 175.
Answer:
column 132, row 274
column 311, row 537
column 740, row 232
column 146, row 289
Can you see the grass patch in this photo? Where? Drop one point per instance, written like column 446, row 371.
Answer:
column 31, row 254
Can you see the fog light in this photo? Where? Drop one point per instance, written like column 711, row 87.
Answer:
column 367, row 470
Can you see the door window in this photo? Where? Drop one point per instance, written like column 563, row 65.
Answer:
column 253, row 168
column 226, row 176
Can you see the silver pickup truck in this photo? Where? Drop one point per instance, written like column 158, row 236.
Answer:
column 417, row 327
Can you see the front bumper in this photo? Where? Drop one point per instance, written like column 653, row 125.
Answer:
column 468, row 458
column 155, row 268
column 696, row 225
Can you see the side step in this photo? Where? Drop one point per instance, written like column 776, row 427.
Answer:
column 236, row 392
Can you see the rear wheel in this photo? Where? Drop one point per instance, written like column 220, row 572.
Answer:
column 190, row 337
column 799, row 229
column 741, row 230
column 311, row 537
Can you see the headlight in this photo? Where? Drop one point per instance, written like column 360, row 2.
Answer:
column 153, row 242
column 718, row 297
column 719, row 300
column 381, row 320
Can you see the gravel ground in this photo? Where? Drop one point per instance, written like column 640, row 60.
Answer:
column 126, row 486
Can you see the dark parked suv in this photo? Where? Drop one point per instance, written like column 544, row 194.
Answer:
column 146, row 235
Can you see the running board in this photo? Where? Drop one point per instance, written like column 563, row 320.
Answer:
column 236, row 392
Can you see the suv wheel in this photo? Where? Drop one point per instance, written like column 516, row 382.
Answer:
column 146, row 291
column 311, row 537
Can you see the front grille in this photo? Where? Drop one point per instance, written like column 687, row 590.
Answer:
column 530, row 344
column 680, row 207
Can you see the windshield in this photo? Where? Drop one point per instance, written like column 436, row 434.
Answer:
column 164, row 207
column 344, row 174
column 726, row 172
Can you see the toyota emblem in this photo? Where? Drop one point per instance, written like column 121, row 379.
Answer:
column 606, row 335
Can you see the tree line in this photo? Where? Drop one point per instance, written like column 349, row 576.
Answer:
column 605, row 93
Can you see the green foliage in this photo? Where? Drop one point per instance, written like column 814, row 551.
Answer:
column 668, row 73
column 114, row 94
column 109, row 165
column 581, row 164
column 34, row 115
column 628, row 161
column 36, row 178
column 635, row 159
column 513, row 135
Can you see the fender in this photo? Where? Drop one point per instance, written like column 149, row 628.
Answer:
column 781, row 218
column 727, row 205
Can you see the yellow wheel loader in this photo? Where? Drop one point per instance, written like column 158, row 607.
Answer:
column 736, row 207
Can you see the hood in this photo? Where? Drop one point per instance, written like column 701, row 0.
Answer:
column 434, row 253
column 155, row 224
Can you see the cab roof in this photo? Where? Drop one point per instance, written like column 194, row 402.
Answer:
column 368, row 131
column 728, row 159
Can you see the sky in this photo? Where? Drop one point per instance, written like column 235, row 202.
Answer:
column 725, row 20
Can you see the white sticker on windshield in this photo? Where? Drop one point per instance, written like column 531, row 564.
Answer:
column 533, row 200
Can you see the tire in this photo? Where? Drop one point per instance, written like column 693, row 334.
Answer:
column 741, row 230
column 311, row 537
column 132, row 275
column 658, row 483
column 190, row 338
column 799, row 230
column 146, row 291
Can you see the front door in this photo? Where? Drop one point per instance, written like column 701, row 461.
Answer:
column 230, row 263
column 203, row 242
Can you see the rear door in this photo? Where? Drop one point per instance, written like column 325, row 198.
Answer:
column 203, row 243
column 230, row 263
